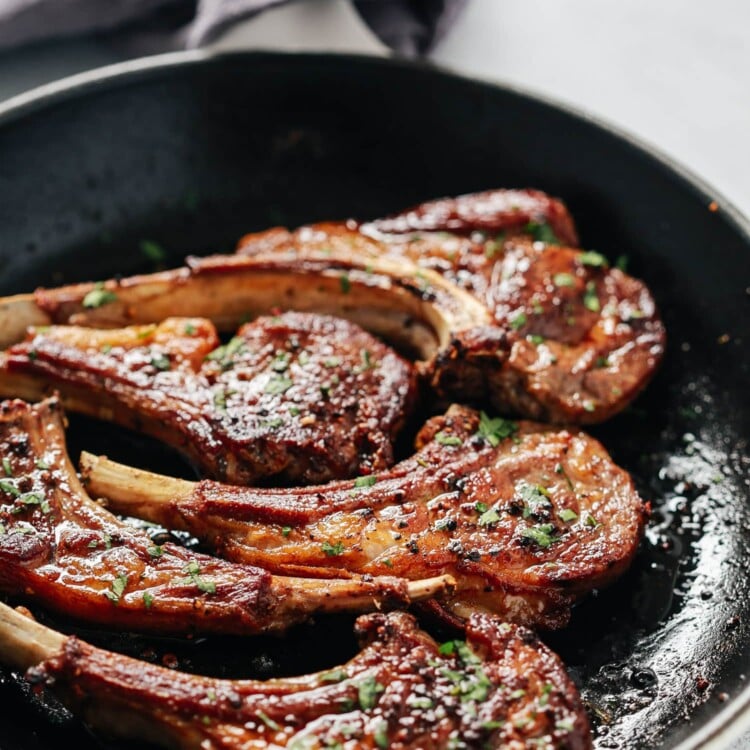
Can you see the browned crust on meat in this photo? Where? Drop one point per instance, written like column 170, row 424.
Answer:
column 500, row 688
column 526, row 526
column 298, row 397
column 59, row 548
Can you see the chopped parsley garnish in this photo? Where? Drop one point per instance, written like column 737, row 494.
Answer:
column 535, row 498
column 601, row 362
column 194, row 575
column 380, row 735
column 224, row 354
column 593, row 259
column 117, row 589
column 480, row 507
column 332, row 362
column 160, row 362
column 99, row 296
column 278, row 385
column 565, row 724
column 516, row 694
column 11, row 489
column 280, row 361
column 335, row 675
column 220, row 400
column 106, row 348
column 566, row 514
column 421, row 702
column 367, row 481
column 588, row 406
column 368, row 692
column 148, row 599
column 591, row 521
column 560, row 470
column 445, row 439
column 367, row 362
column 492, row 725
column 519, row 321
column 543, row 534
column 346, row 285
column 189, row 329
column 268, row 721
column 332, row 550
column 7, row 467
column 536, row 339
column 156, row 551
column 286, row 530
column 489, row 517
column 542, row 232
column 271, row 424
column 622, row 263
column 564, row 279
column 153, row 251
column 42, row 464
column 493, row 430
column 590, row 298
column 294, row 411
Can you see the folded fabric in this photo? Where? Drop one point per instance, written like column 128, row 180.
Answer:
column 411, row 27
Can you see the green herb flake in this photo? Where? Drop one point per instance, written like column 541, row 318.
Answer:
column 189, row 329
column 280, row 362
column 489, row 517
column 445, row 439
column 332, row 550
column 345, row 284
column 542, row 232
column 516, row 694
column 220, row 400
column 422, row 703
column 566, row 725
column 622, row 263
column 519, row 321
column 543, row 535
column 448, row 648
column 160, row 362
column 7, row 467
column 380, row 735
column 591, row 521
column 535, row 498
column 368, row 691
column 99, row 296
column 480, row 507
column 11, row 489
column 332, row 362
column 492, row 725
column 590, row 298
column 156, row 551
column 294, row 411
column 106, row 348
column 148, row 599
column 153, row 251
column 367, row 481
column 564, row 279
column 367, row 362
column 278, row 385
column 588, row 406
column 601, row 362
column 335, row 675
column 193, row 570
column 493, row 430
column 536, row 339
column 286, row 530
column 593, row 259
column 388, row 562
column 566, row 515
column 268, row 721
column 117, row 588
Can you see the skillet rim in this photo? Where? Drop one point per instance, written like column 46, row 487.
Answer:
column 733, row 720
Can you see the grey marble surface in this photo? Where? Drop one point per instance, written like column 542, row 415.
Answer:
column 675, row 73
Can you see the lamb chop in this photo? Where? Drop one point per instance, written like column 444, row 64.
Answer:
column 501, row 688
column 297, row 397
column 526, row 518
column 62, row 550
column 542, row 330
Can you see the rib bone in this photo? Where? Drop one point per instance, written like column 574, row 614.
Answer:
column 525, row 518
column 501, row 688
column 62, row 550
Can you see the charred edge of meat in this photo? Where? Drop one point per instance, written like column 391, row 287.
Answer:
column 500, row 687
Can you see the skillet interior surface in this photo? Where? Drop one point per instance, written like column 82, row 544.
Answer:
column 195, row 151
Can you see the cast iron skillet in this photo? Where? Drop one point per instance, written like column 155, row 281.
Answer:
column 192, row 150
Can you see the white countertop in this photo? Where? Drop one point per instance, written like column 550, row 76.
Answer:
column 675, row 73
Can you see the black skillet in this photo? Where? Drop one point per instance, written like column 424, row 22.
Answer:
column 192, row 150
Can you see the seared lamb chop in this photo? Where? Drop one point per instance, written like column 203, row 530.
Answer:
column 542, row 330
column 501, row 688
column 526, row 519
column 62, row 550
column 301, row 398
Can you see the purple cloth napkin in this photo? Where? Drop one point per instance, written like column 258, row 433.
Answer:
column 411, row 27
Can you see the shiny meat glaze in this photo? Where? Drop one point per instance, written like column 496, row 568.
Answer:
column 299, row 398
column 573, row 340
column 526, row 519
column 501, row 688
column 61, row 550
